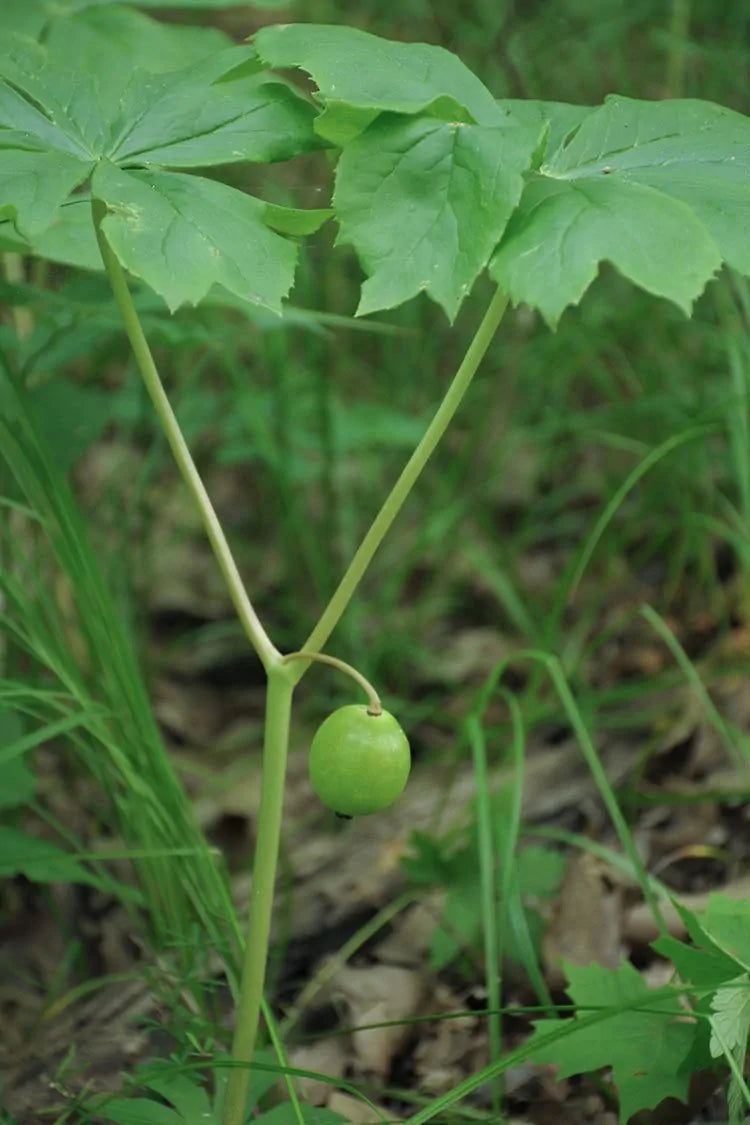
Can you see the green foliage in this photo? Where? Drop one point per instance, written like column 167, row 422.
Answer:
column 39, row 860
column 654, row 1044
column 467, row 180
column 119, row 113
column 538, row 872
column 730, row 1019
column 17, row 782
column 659, row 189
column 436, row 180
column 97, row 702
column 356, row 71
column 36, row 17
column 648, row 1051
column 189, row 1103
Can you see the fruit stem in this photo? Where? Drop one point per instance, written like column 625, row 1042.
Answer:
column 373, row 705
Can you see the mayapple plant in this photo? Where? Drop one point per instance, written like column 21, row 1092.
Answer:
column 436, row 182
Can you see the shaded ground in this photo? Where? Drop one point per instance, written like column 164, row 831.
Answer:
column 668, row 755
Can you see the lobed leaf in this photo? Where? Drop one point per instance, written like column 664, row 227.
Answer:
column 659, row 189
column 424, row 202
column 68, row 239
column 113, row 39
column 182, row 234
column 33, row 185
column 17, row 782
column 39, row 860
column 362, row 72
column 647, row 1050
column 139, row 1111
column 726, row 922
column 40, row 101
column 730, row 1018
column 210, row 113
column 181, row 1090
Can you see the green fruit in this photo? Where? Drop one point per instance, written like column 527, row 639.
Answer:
column 359, row 763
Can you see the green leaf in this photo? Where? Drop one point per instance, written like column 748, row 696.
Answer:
column 111, row 41
column 730, row 1021
column 79, row 108
column 295, row 220
column 139, row 1111
column 424, row 202
column 30, row 16
column 17, row 782
column 39, row 860
column 207, row 5
column 24, row 125
column 33, row 185
column 86, row 410
column 539, row 871
column 659, row 189
column 556, row 121
column 353, row 68
column 207, row 115
column 287, row 1114
column 182, row 234
column 188, row 1098
column 40, row 101
column 461, row 924
column 70, row 238
column 700, row 967
column 726, row 921
column 23, row 17
column 647, row 1050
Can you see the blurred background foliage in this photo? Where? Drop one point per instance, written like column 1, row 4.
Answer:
column 303, row 423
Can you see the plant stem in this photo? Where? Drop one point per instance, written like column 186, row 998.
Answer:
column 13, row 268
column 679, row 31
column 403, row 486
column 257, row 635
column 374, row 706
column 276, row 739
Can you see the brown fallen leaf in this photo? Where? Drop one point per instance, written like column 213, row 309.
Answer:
column 326, row 1056
column 384, row 994
column 585, row 926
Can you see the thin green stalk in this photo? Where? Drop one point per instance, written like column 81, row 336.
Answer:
column 679, row 31
column 276, row 740
column 487, row 849
column 257, row 635
column 411, row 471
column 737, row 744
column 570, row 707
column 332, row 965
column 507, row 890
column 572, row 579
